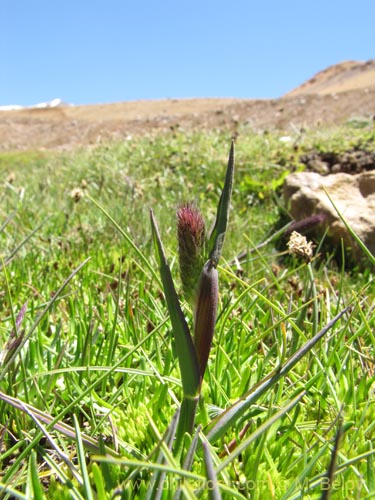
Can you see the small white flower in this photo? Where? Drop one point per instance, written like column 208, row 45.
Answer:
column 10, row 178
column 298, row 245
column 76, row 194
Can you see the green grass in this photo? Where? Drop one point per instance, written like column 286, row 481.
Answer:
column 99, row 368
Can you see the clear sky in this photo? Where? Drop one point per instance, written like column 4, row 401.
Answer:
column 91, row 51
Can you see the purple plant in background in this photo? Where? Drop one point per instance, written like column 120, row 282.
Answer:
column 305, row 224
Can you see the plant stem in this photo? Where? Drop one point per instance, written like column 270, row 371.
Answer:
column 186, row 421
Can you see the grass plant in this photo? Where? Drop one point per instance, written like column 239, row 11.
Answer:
column 93, row 375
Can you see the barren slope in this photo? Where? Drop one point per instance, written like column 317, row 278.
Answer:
column 348, row 75
column 312, row 104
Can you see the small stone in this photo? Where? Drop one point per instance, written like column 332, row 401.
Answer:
column 319, row 166
column 305, row 194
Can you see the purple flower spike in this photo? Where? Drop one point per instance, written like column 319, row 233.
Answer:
column 191, row 241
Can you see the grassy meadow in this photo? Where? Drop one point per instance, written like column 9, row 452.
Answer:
column 89, row 377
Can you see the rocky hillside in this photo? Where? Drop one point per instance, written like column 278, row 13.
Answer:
column 348, row 75
column 332, row 96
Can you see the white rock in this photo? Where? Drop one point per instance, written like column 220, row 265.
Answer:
column 353, row 195
column 285, row 138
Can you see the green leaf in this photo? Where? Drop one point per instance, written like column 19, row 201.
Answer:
column 49, row 305
column 326, row 494
column 189, row 459
column 155, row 488
column 213, row 489
column 42, row 416
column 222, row 422
column 15, row 494
column 137, row 251
column 11, row 256
column 259, row 432
column 35, row 486
column 89, row 495
column 99, row 482
column 217, row 236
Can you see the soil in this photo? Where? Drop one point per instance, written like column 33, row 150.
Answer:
column 353, row 161
column 341, row 92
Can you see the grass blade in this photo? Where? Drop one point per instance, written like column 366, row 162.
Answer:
column 34, row 486
column 39, row 318
column 15, row 337
column 65, row 429
column 300, row 486
column 137, row 251
column 15, row 494
column 99, row 482
column 189, row 459
column 332, row 466
column 217, row 236
column 63, row 456
column 82, row 461
column 7, row 220
column 156, row 486
column 226, row 419
column 63, row 475
column 259, row 431
column 23, row 242
column 212, row 486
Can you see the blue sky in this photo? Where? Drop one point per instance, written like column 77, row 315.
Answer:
column 104, row 51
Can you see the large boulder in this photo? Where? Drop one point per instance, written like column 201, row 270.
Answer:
column 353, row 195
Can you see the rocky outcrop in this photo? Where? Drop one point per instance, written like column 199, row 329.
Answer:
column 305, row 194
column 353, row 161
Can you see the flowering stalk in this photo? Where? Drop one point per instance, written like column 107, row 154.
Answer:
column 199, row 279
column 186, row 353
column 184, row 344
column 198, row 260
column 208, row 288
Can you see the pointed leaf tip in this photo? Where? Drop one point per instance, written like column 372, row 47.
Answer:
column 217, row 236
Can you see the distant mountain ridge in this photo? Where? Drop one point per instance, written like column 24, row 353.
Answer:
column 342, row 92
column 341, row 77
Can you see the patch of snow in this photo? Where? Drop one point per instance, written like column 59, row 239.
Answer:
column 49, row 104
column 53, row 103
column 10, row 107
